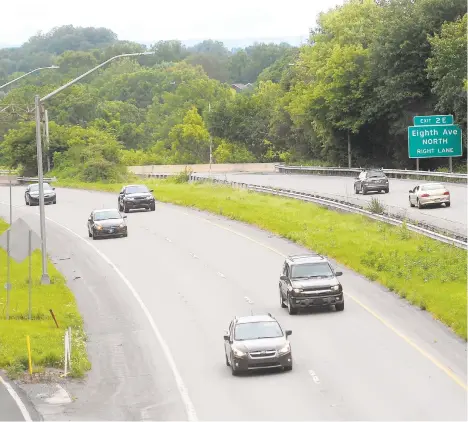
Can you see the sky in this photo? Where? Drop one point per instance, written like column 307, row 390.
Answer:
column 148, row 21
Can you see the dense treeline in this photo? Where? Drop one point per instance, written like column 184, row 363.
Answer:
column 368, row 68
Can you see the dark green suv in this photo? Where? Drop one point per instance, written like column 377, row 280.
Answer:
column 309, row 281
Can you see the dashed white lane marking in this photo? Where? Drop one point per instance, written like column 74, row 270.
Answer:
column 221, row 274
column 248, row 300
column 193, row 255
column 169, row 240
column 187, row 402
column 17, row 399
column 314, row 376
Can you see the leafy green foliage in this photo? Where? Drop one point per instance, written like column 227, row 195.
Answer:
column 368, row 68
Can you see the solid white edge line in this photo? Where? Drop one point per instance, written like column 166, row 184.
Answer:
column 189, row 407
column 17, row 399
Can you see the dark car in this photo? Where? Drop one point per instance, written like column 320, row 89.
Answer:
column 107, row 223
column 31, row 195
column 371, row 181
column 136, row 197
column 257, row 342
column 309, row 281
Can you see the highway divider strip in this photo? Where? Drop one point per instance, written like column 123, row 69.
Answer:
column 445, row 236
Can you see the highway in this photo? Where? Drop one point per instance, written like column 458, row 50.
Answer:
column 396, row 201
column 380, row 359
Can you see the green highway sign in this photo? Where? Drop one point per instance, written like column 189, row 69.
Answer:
column 433, row 120
column 434, row 141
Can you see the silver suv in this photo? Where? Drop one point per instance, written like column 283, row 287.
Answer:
column 309, row 281
column 371, row 181
column 257, row 342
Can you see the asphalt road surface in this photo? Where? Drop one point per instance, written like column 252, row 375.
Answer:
column 380, row 359
column 9, row 410
column 396, row 201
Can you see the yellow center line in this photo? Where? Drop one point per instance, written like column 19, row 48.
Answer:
column 427, row 355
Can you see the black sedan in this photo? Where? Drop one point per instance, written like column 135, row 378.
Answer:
column 107, row 223
column 31, row 195
column 136, row 197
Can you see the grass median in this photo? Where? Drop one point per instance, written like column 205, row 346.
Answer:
column 428, row 273
column 47, row 341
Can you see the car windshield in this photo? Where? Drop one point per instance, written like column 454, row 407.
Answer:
column 137, row 189
column 106, row 215
column 433, row 186
column 257, row 330
column 376, row 174
column 318, row 269
column 35, row 188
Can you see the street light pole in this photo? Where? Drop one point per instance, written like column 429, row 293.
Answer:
column 46, row 134
column 45, row 279
column 211, row 142
column 26, row 74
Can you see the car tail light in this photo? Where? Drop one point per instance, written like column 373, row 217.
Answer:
column 424, row 195
column 446, row 192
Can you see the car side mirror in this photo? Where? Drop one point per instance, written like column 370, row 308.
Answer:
column 124, row 216
column 226, row 337
column 283, row 278
column 338, row 273
column 288, row 332
column 53, row 188
column 151, row 190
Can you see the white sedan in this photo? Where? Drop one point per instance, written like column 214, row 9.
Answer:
column 429, row 193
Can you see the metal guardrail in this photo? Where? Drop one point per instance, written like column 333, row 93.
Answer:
column 23, row 179
column 393, row 173
column 444, row 236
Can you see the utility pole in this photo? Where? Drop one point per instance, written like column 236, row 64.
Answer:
column 45, row 279
column 47, row 142
column 211, row 143
column 349, row 150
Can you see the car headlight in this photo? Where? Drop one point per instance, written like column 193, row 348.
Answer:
column 285, row 349
column 238, row 353
column 98, row 227
column 335, row 287
column 298, row 290
column 122, row 226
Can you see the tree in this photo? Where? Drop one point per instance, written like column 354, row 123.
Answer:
column 190, row 139
column 447, row 69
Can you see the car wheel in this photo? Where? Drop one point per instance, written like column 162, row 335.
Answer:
column 126, row 209
column 227, row 360
column 356, row 190
column 54, row 202
column 93, row 236
column 364, row 191
column 281, row 299
column 291, row 310
column 387, row 190
column 89, row 234
column 119, row 206
column 234, row 370
column 410, row 203
column 339, row 306
column 447, row 204
column 26, row 202
column 419, row 204
column 153, row 207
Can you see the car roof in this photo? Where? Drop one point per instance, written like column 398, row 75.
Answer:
column 254, row 318
column 130, row 186
column 106, row 209
column 431, row 183
column 305, row 258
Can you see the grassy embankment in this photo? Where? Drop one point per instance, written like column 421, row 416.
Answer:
column 47, row 348
column 427, row 273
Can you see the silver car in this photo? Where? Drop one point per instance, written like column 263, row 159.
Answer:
column 429, row 193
